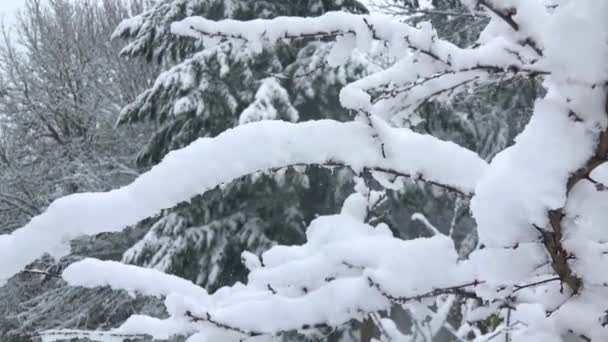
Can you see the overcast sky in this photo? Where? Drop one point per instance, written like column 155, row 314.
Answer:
column 9, row 7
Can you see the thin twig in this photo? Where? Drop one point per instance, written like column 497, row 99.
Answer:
column 457, row 290
column 390, row 171
column 43, row 273
column 521, row 287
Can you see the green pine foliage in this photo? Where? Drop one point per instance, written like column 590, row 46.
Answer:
column 206, row 89
column 209, row 88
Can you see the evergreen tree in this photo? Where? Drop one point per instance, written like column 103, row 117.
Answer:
column 212, row 86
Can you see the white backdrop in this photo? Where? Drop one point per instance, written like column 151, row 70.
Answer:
column 8, row 8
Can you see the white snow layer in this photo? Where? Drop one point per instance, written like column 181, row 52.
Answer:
column 247, row 149
column 352, row 265
column 347, row 268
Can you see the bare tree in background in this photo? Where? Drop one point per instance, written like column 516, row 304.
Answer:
column 62, row 85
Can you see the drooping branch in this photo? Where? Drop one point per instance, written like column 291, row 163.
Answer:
column 393, row 92
column 449, row 90
column 246, row 149
column 271, row 300
column 339, row 240
column 505, row 15
column 457, row 290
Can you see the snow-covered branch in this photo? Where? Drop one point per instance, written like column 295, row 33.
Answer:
column 352, row 31
column 400, row 91
column 355, row 266
column 347, row 262
column 241, row 151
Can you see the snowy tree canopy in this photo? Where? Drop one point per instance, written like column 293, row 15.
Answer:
column 539, row 205
column 206, row 88
column 216, row 87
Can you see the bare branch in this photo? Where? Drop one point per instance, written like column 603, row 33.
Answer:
column 455, row 290
column 250, row 333
column 71, row 334
column 507, row 17
column 43, row 273
column 389, row 171
column 541, row 282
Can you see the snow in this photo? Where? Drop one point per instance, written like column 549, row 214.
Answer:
column 332, row 243
column 600, row 173
column 586, row 212
column 341, row 50
column 526, row 180
column 269, row 96
column 409, row 88
column 355, row 99
column 348, row 268
column 469, row 4
column 161, row 329
column 351, row 32
column 92, row 273
column 579, row 26
column 183, row 105
column 260, row 147
column 503, row 266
